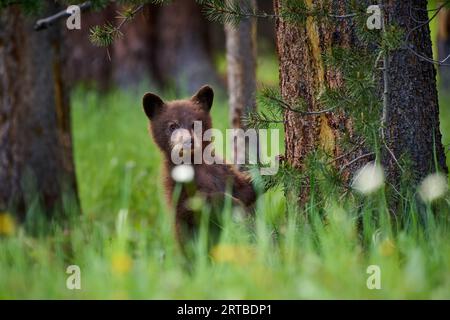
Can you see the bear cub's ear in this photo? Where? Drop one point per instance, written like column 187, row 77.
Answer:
column 152, row 104
column 205, row 97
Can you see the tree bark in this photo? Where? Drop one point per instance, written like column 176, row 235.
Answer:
column 241, row 70
column 36, row 161
column 87, row 63
column 303, row 75
column 412, row 115
column 168, row 45
column 126, row 63
column 133, row 53
column 182, row 57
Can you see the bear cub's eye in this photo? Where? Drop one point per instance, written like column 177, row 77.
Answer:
column 173, row 126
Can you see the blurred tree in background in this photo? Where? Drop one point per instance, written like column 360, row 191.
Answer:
column 241, row 48
column 168, row 45
column 339, row 109
column 36, row 161
column 87, row 63
column 443, row 43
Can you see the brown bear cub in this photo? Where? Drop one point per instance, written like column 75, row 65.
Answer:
column 211, row 181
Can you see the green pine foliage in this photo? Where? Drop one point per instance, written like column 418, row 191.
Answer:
column 29, row 6
column 104, row 36
column 360, row 97
column 229, row 12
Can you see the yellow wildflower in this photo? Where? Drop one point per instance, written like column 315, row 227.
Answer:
column 234, row 254
column 387, row 247
column 7, row 225
column 121, row 263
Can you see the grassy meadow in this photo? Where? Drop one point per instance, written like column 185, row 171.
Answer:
column 124, row 244
column 125, row 247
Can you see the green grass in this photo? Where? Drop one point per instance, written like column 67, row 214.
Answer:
column 266, row 72
column 125, row 247
column 444, row 103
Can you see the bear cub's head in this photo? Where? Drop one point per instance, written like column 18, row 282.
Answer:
column 172, row 123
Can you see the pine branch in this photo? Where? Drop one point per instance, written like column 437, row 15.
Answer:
column 287, row 176
column 45, row 23
column 273, row 106
column 288, row 107
column 259, row 120
column 231, row 12
column 366, row 155
column 104, row 36
column 354, row 149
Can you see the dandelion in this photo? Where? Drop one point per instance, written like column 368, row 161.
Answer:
column 121, row 263
column 433, row 187
column 369, row 178
column 387, row 247
column 183, row 173
column 7, row 225
column 233, row 254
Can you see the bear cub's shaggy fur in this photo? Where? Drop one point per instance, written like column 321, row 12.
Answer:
column 210, row 180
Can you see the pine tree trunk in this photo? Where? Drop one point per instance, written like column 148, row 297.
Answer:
column 412, row 115
column 165, row 44
column 443, row 42
column 241, row 69
column 36, row 162
column 304, row 75
column 182, row 57
column 132, row 54
column 87, row 63
column 125, row 63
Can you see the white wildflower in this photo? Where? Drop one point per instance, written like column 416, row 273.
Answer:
column 130, row 164
column 369, row 178
column 183, row 173
column 433, row 187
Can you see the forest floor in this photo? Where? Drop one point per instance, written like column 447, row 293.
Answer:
column 124, row 244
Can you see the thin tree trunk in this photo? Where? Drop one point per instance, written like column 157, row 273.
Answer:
column 303, row 75
column 241, row 70
column 133, row 53
column 36, row 162
column 443, row 42
column 412, row 115
column 182, row 57
column 87, row 63
column 127, row 62
column 165, row 44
